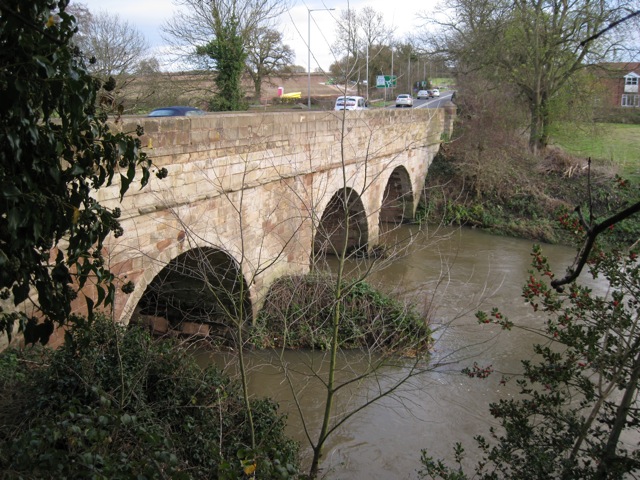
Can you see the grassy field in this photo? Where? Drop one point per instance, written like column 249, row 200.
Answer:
column 615, row 143
column 443, row 82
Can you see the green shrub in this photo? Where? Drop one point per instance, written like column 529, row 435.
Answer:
column 114, row 403
column 527, row 205
column 298, row 310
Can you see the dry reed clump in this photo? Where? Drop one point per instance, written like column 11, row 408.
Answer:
column 559, row 162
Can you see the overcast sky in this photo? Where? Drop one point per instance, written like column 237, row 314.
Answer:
column 148, row 15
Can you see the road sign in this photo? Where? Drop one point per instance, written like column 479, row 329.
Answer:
column 386, row 81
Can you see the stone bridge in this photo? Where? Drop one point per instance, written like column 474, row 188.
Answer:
column 254, row 196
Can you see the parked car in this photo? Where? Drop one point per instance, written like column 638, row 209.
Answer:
column 404, row 100
column 435, row 92
column 423, row 94
column 350, row 103
column 176, row 112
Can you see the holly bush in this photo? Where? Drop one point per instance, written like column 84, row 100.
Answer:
column 577, row 415
column 56, row 150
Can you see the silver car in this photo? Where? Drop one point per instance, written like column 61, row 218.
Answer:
column 404, row 100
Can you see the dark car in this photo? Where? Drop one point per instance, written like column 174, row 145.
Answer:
column 176, row 112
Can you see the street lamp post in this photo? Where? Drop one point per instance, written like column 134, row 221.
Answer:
column 367, row 71
column 309, row 10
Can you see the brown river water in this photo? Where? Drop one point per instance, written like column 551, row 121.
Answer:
column 463, row 271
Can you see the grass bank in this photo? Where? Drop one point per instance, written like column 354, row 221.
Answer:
column 499, row 187
column 615, row 143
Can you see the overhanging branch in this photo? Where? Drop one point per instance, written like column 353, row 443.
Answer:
column 592, row 234
column 613, row 25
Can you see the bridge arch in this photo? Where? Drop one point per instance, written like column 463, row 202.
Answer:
column 199, row 286
column 397, row 202
column 344, row 219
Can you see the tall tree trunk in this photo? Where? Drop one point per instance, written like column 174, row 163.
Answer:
column 257, row 87
column 539, row 124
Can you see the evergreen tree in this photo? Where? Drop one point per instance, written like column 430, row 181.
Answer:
column 227, row 51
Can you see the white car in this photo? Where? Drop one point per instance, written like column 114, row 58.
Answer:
column 435, row 92
column 423, row 94
column 350, row 103
column 404, row 100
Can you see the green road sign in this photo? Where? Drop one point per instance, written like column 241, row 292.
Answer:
column 386, row 81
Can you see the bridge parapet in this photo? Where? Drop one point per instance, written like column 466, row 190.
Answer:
column 242, row 150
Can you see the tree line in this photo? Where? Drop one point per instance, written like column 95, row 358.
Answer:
column 224, row 42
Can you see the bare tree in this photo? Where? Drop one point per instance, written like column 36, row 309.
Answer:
column 266, row 55
column 115, row 49
column 115, row 44
column 199, row 23
column 362, row 36
column 83, row 18
column 150, row 66
column 536, row 47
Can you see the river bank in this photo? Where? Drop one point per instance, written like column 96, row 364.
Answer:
column 524, row 197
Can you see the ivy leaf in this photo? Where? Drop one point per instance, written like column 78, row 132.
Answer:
column 9, row 190
column 14, row 218
column 90, row 304
column 124, row 185
column 249, row 469
column 101, row 294
column 20, row 293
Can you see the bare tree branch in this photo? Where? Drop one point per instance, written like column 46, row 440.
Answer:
column 592, row 234
column 611, row 26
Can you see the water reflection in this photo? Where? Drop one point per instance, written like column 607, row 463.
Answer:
column 465, row 270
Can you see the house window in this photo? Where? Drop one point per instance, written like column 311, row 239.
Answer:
column 631, row 100
column 631, row 83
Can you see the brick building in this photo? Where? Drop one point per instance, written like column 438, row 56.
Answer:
column 620, row 81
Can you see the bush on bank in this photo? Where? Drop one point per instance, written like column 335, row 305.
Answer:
column 114, row 403
column 298, row 314
column 507, row 191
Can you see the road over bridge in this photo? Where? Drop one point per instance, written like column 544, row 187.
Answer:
column 251, row 197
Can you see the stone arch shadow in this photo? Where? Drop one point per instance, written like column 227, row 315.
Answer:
column 398, row 203
column 343, row 225
column 198, row 291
